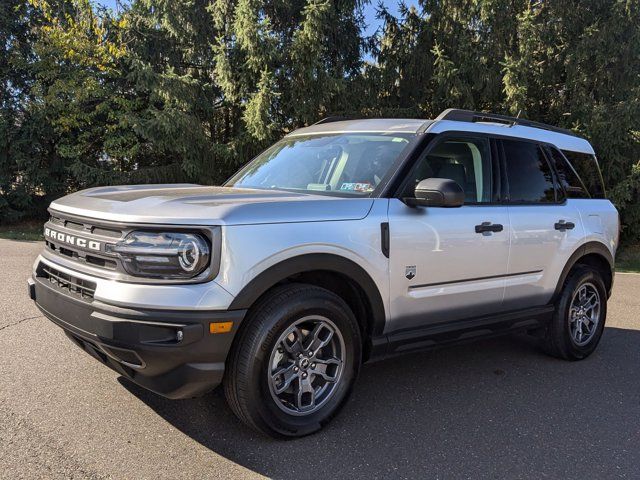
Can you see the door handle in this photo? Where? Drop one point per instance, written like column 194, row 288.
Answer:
column 562, row 225
column 489, row 227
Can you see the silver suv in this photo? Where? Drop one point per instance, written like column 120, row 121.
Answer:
column 345, row 241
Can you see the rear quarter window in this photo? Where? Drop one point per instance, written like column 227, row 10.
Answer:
column 567, row 177
column 586, row 166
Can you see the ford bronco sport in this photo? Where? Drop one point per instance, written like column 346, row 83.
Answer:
column 346, row 240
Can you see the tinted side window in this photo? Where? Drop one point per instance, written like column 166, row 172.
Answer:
column 528, row 174
column 467, row 161
column 567, row 177
column 587, row 168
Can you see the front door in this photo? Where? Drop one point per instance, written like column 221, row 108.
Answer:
column 444, row 264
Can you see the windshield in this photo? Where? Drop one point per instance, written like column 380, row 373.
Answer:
column 346, row 163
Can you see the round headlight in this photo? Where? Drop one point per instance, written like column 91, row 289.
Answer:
column 189, row 254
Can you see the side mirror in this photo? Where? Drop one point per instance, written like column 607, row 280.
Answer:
column 437, row 192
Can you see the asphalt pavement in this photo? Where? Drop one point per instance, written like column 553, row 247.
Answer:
column 494, row 409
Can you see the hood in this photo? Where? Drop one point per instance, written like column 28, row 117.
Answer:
column 185, row 204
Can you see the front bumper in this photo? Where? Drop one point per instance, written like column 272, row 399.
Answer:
column 144, row 345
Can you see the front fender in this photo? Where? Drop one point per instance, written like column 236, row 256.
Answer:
column 312, row 262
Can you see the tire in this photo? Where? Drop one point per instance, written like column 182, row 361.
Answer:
column 561, row 339
column 271, row 340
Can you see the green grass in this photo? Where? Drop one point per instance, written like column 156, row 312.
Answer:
column 628, row 259
column 31, row 231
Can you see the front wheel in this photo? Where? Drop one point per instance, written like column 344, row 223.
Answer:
column 578, row 321
column 295, row 362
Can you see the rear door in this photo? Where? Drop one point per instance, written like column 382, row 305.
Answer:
column 444, row 266
column 545, row 228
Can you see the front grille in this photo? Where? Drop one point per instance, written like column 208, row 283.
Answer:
column 83, row 289
column 101, row 235
column 83, row 257
column 86, row 227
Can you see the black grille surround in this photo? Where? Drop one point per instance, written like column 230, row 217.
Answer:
column 75, row 224
column 94, row 256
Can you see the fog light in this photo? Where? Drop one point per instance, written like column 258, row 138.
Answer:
column 179, row 335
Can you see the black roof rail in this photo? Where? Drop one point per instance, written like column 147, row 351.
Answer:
column 459, row 115
column 335, row 118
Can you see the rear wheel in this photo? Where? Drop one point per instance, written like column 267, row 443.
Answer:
column 295, row 361
column 579, row 319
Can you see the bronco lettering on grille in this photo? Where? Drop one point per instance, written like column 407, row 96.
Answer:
column 72, row 239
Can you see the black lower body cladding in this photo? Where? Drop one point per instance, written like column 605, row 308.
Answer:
column 169, row 352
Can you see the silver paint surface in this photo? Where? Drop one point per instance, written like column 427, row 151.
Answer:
column 459, row 273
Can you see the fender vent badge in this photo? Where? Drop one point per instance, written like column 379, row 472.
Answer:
column 410, row 271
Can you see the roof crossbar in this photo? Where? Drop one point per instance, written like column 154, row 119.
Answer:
column 459, row 115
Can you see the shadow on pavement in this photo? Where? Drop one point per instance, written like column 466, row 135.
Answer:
column 497, row 408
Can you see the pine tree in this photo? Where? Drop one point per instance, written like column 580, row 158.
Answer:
column 189, row 90
column 17, row 196
column 577, row 65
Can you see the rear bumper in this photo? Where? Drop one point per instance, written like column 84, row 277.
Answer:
column 169, row 352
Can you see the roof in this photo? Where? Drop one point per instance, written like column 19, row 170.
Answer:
column 385, row 125
column 455, row 120
column 560, row 140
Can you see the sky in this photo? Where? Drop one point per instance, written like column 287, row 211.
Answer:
column 369, row 11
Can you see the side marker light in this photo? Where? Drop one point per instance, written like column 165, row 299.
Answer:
column 220, row 327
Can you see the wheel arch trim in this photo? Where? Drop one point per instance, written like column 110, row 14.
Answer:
column 328, row 262
column 588, row 248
